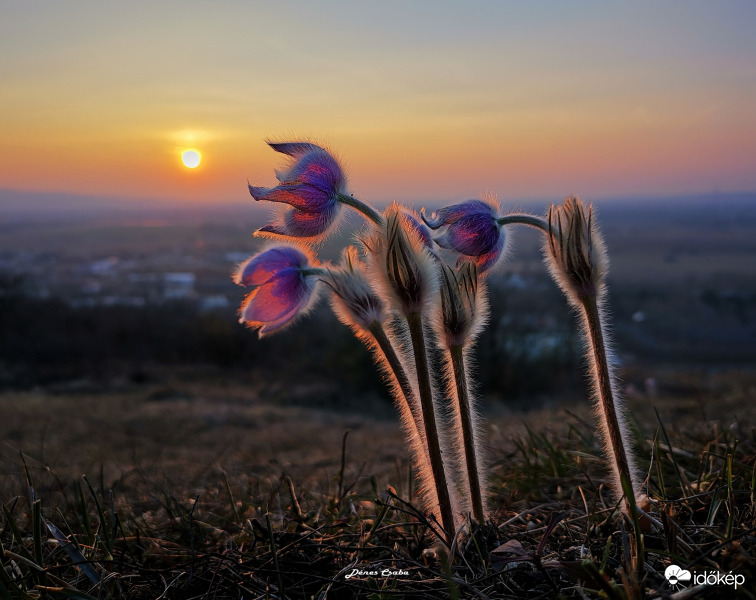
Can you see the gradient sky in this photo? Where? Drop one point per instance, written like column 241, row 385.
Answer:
column 422, row 101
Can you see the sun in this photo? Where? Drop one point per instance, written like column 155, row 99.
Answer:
column 191, row 158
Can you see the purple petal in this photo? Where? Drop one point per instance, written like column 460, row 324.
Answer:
column 487, row 260
column 278, row 302
column 296, row 223
column 473, row 235
column 302, row 224
column 261, row 268
column 451, row 214
column 434, row 221
column 285, row 292
column 301, row 196
column 311, row 184
column 318, row 169
column 295, row 149
column 280, row 323
column 274, row 324
column 258, row 193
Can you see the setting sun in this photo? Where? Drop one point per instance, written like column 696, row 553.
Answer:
column 191, row 158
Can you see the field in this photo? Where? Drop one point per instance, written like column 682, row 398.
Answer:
column 187, row 476
column 220, row 466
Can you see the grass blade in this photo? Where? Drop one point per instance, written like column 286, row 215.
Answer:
column 37, row 531
column 101, row 512
column 74, row 554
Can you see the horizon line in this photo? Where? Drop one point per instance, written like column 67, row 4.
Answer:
column 24, row 201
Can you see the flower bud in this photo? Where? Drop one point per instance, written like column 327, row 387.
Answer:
column 354, row 301
column 470, row 228
column 463, row 306
column 575, row 251
column 402, row 262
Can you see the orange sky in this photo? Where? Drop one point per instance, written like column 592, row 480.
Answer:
column 430, row 102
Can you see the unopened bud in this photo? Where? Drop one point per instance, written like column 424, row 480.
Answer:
column 463, row 309
column 354, row 301
column 402, row 263
column 575, row 251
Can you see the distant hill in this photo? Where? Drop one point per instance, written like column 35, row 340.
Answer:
column 36, row 205
column 29, row 203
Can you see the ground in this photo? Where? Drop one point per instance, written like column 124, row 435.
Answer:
column 260, row 477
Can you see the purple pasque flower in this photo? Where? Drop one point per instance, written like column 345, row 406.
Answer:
column 284, row 281
column 311, row 186
column 470, row 228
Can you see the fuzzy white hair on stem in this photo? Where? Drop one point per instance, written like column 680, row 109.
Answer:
column 358, row 306
column 460, row 315
column 577, row 259
column 405, row 273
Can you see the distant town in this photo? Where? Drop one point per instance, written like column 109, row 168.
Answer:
column 682, row 290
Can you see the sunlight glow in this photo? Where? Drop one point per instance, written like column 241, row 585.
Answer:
column 191, row 158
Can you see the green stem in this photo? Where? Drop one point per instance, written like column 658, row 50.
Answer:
column 398, row 370
column 415, row 323
column 603, row 383
column 360, row 206
column 465, row 415
column 524, row 219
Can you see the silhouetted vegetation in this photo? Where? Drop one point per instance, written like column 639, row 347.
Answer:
column 681, row 289
column 530, row 349
column 44, row 341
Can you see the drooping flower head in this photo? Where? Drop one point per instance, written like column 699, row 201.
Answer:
column 311, row 186
column 575, row 251
column 463, row 308
column 354, row 301
column 471, row 229
column 402, row 263
column 284, row 281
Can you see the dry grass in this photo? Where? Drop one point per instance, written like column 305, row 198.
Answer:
column 202, row 491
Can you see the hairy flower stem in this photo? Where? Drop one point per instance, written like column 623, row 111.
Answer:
column 605, row 394
column 468, row 436
column 524, row 219
column 360, row 206
column 415, row 323
column 376, row 329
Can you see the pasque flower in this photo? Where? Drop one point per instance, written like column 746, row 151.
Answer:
column 578, row 262
column 575, row 251
column 284, row 282
column 400, row 259
column 314, row 187
column 311, row 186
column 359, row 306
column 406, row 273
column 354, row 301
column 463, row 310
column 461, row 314
column 470, row 228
